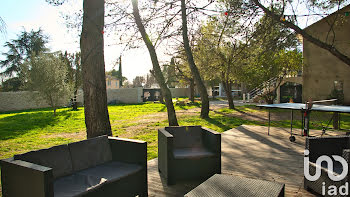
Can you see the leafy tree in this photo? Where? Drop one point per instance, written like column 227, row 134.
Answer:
column 138, row 81
column 183, row 72
column 21, row 49
column 47, row 74
column 93, row 69
column 156, row 68
column 273, row 66
column 215, row 55
column 2, row 26
column 271, row 57
column 120, row 73
column 150, row 80
column 169, row 73
column 127, row 84
column 12, row 84
column 73, row 63
column 290, row 16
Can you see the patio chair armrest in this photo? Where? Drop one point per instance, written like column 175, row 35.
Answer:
column 21, row 178
column 165, row 150
column 165, row 133
column 165, row 142
column 212, row 140
column 332, row 145
column 128, row 150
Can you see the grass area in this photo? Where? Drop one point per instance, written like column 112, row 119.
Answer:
column 23, row 131
column 318, row 120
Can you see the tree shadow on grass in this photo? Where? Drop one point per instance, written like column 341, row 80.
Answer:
column 14, row 126
column 188, row 106
column 244, row 113
column 216, row 122
column 163, row 109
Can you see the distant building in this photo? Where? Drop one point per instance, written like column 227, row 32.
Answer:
column 112, row 82
column 219, row 91
column 323, row 72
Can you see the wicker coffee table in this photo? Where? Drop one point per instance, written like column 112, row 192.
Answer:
column 234, row 186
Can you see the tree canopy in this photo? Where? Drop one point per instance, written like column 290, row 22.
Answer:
column 21, row 49
column 47, row 74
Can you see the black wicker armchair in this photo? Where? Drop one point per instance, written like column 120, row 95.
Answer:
column 188, row 153
column 327, row 146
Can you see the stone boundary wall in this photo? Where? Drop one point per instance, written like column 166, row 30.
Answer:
column 13, row 101
column 180, row 92
column 23, row 100
column 127, row 95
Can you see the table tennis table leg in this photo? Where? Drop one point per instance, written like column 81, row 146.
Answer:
column 291, row 122
column 302, row 123
column 306, row 122
column 268, row 130
column 291, row 138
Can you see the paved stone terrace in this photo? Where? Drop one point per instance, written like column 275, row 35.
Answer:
column 248, row 151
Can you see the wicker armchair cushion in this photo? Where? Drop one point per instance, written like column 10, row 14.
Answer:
column 57, row 157
column 74, row 185
column 186, row 137
column 85, row 180
column 191, row 153
column 89, row 153
column 112, row 171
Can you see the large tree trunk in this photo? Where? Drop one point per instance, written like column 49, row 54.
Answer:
column 228, row 90
column 74, row 103
column 201, row 87
column 93, row 69
column 192, row 90
column 156, row 68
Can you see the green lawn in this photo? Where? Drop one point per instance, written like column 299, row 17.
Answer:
column 23, row 131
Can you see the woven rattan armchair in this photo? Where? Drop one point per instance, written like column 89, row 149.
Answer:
column 329, row 146
column 188, row 153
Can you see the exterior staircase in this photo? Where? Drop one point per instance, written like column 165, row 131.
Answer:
column 271, row 83
column 261, row 89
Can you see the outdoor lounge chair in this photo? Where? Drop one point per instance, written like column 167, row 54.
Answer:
column 101, row 166
column 188, row 153
column 319, row 146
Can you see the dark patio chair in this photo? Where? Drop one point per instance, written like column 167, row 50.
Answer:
column 319, row 146
column 188, row 153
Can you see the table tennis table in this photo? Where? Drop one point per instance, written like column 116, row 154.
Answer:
column 304, row 113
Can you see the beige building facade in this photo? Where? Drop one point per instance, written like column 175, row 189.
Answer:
column 112, row 82
column 322, row 71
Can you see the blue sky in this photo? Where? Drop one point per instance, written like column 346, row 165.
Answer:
column 34, row 14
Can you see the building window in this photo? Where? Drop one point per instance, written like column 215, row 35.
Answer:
column 116, row 84
column 109, row 83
